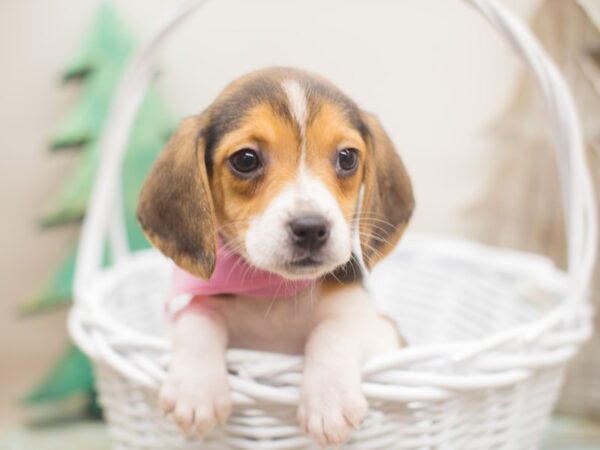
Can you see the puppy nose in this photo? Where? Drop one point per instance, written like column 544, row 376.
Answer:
column 309, row 232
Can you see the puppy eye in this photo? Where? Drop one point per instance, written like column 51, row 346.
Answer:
column 347, row 161
column 245, row 161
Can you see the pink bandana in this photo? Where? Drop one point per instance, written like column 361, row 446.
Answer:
column 232, row 275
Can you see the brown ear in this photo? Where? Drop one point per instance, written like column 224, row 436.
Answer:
column 175, row 207
column 388, row 200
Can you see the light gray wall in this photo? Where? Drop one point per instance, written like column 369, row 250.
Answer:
column 431, row 69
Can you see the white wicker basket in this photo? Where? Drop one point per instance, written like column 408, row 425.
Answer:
column 580, row 395
column 490, row 330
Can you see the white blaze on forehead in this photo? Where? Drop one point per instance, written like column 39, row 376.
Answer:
column 267, row 239
column 297, row 102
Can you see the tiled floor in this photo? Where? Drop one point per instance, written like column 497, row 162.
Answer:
column 564, row 434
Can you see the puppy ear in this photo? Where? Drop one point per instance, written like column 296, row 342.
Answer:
column 388, row 201
column 175, row 208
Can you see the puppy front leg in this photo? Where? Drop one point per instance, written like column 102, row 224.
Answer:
column 196, row 389
column 348, row 331
column 332, row 404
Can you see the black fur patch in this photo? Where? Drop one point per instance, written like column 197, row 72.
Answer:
column 226, row 114
column 345, row 274
column 316, row 91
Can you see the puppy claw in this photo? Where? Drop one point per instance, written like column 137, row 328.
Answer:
column 204, row 421
column 223, row 410
column 197, row 398
column 184, row 417
column 330, row 416
column 356, row 418
column 166, row 400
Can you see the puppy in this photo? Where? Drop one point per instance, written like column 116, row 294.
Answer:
column 279, row 173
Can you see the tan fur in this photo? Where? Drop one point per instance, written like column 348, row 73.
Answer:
column 185, row 203
column 388, row 201
column 176, row 208
column 328, row 132
column 236, row 201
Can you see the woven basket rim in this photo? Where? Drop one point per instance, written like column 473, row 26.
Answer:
column 555, row 336
column 505, row 370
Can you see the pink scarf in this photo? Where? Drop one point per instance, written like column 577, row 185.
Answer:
column 232, row 275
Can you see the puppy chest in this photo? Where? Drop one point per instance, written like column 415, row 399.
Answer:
column 280, row 325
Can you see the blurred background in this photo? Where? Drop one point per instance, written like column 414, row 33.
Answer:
column 449, row 91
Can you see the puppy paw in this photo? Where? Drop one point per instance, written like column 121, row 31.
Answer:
column 196, row 395
column 330, row 410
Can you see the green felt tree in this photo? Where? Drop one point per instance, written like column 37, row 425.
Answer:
column 98, row 66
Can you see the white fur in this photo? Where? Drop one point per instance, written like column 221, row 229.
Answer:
column 297, row 102
column 337, row 331
column 268, row 244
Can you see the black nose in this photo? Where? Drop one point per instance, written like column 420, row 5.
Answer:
column 309, row 232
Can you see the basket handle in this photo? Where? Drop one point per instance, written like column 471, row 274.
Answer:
column 104, row 217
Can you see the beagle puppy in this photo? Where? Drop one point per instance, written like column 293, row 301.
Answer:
column 280, row 172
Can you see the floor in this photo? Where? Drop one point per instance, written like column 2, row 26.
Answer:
column 564, row 434
column 567, row 433
column 80, row 436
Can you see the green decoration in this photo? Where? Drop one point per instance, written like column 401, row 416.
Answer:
column 148, row 137
column 72, row 374
column 99, row 62
column 56, row 290
column 99, row 65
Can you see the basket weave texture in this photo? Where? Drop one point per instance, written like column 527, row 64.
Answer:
column 490, row 330
column 433, row 394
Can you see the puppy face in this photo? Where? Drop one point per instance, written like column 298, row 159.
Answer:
column 285, row 183
column 275, row 167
